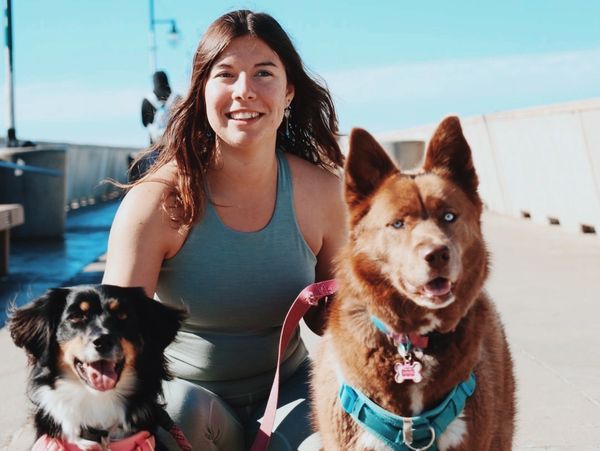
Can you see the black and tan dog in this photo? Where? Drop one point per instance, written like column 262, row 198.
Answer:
column 96, row 362
column 414, row 355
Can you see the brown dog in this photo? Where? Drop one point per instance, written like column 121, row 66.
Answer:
column 410, row 322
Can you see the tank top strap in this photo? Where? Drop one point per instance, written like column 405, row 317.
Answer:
column 285, row 203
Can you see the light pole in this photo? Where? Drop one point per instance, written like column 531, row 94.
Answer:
column 173, row 34
column 11, row 135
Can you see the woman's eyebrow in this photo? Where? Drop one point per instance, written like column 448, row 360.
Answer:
column 266, row 63
column 261, row 64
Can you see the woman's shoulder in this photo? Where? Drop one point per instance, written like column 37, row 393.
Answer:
column 145, row 201
column 313, row 177
column 156, row 185
column 317, row 191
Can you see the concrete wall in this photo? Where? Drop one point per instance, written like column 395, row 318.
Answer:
column 45, row 198
column 88, row 166
column 42, row 196
column 542, row 163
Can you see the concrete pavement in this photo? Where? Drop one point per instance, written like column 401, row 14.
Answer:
column 543, row 281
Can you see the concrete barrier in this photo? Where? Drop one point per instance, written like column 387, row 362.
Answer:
column 42, row 196
column 88, row 166
column 539, row 163
column 46, row 197
column 11, row 215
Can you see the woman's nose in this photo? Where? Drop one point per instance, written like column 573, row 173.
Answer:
column 243, row 88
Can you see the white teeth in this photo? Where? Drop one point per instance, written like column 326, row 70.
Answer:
column 243, row 115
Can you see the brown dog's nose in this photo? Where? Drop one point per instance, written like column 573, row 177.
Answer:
column 436, row 256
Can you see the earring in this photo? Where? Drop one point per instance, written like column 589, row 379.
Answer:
column 286, row 114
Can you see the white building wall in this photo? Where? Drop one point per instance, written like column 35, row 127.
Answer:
column 542, row 162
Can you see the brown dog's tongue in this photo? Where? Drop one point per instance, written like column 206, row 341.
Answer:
column 438, row 287
column 101, row 375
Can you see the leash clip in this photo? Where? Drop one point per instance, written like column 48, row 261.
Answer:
column 312, row 299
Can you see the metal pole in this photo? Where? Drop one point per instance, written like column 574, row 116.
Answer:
column 11, row 135
column 153, row 63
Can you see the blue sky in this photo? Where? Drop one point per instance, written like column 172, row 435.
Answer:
column 82, row 67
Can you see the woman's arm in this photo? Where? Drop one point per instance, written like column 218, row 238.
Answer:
column 333, row 220
column 141, row 237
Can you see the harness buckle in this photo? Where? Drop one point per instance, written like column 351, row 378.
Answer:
column 407, row 431
column 407, row 435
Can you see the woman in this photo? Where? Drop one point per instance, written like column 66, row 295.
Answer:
column 240, row 212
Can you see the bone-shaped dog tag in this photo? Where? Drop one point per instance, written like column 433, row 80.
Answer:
column 408, row 371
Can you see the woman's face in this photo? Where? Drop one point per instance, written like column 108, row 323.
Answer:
column 246, row 94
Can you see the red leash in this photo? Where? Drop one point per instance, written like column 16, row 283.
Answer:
column 306, row 299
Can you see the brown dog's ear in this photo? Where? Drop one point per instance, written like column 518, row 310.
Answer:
column 449, row 155
column 33, row 327
column 367, row 166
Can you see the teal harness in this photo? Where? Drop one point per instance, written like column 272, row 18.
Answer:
column 406, row 433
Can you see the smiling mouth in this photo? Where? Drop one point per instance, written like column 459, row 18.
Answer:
column 101, row 375
column 435, row 294
column 243, row 115
column 437, row 289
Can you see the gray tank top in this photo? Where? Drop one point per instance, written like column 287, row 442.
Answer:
column 237, row 287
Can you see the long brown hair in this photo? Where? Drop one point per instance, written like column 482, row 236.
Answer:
column 189, row 141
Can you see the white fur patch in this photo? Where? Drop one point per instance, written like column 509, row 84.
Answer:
column 366, row 440
column 416, row 399
column 73, row 404
column 424, row 301
column 454, row 435
column 434, row 323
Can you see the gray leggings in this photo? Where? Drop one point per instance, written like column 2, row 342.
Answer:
column 210, row 424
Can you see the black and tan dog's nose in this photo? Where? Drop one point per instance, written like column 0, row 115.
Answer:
column 436, row 256
column 103, row 343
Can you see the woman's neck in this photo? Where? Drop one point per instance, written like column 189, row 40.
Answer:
column 241, row 175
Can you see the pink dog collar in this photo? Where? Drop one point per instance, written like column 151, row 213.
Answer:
column 142, row 441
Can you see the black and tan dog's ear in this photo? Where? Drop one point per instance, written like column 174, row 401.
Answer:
column 367, row 166
column 167, row 322
column 159, row 322
column 33, row 327
column 449, row 155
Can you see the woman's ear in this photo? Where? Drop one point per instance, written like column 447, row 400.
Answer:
column 289, row 94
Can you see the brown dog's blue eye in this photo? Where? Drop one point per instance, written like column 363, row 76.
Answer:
column 449, row 217
column 398, row 224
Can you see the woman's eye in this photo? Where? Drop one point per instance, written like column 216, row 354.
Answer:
column 223, row 75
column 449, row 217
column 263, row 73
column 397, row 224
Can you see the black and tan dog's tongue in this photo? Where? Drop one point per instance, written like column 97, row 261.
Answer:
column 101, row 375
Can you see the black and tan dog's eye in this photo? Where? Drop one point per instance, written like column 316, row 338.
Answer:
column 122, row 315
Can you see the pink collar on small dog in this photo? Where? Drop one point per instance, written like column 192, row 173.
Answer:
column 142, row 441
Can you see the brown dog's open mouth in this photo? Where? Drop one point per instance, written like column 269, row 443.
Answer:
column 437, row 288
column 101, row 375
